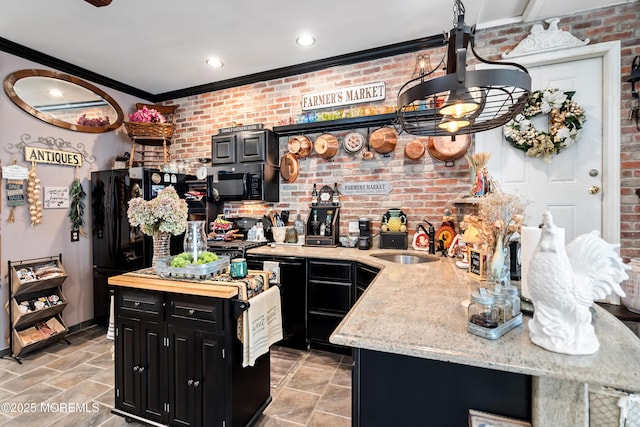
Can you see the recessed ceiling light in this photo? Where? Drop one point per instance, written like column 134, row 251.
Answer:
column 214, row 62
column 305, row 40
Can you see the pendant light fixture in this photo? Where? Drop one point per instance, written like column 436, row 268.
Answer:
column 462, row 101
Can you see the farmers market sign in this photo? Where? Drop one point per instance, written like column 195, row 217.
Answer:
column 57, row 157
column 369, row 187
column 344, row 96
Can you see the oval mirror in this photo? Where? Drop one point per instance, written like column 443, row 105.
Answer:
column 63, row 100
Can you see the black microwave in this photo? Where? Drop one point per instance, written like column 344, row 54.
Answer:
column 240, row 182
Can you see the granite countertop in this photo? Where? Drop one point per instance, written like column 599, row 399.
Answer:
column 420, row 310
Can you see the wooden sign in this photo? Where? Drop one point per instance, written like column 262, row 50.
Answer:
column 344, row 96
column 43, row 155
column 368, row 187
column 56, row 197
column 477, row 260
column 15, row 172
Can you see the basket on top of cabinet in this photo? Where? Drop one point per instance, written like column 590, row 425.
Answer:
column 36, row 303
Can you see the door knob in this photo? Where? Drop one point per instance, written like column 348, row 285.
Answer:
column 196, row 383
column 190, row 382
column 594, row 189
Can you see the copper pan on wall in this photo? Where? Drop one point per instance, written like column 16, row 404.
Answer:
column 326, row 146
column 300, row 145
column 383, row 140
column 414, row 150
column 289, row 167
column 447, row 148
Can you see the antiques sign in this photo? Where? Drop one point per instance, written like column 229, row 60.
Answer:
column 371, row 187
column 42, row 155
column 344, row 96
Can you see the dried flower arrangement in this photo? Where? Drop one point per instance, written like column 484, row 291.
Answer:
column 166, row 213
column 499, row 216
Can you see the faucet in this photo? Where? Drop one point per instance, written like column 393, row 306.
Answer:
column 432, row 238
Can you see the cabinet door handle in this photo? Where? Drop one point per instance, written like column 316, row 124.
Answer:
column 137, row 303
column 140, row 369
column 191, row 312
column 196, row 383
column 135, row 369
column 190, row 382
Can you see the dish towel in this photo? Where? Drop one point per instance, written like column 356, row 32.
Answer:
column 262, row 325
column 274, row 268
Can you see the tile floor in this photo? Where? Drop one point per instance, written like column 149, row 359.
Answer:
column 72, row 385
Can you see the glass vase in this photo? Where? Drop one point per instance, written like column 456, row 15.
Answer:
column 161, row 247
column 195, row 238
column 499, row 267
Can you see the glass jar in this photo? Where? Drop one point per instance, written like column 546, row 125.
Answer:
column 195, row 239
column 482, row 310
column 502, row 304
column 512, row 292
column 631, row 287
column 238, row 268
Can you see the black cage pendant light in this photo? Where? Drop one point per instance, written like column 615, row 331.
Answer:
column 462, row 101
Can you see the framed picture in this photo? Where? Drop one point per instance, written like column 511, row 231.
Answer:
column 56, row 197
column 477, row 260
column 484, row 419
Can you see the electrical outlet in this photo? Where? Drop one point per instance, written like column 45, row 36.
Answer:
column 353, row 227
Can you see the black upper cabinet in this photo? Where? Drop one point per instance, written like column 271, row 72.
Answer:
column 223, row 149
column 245, row 146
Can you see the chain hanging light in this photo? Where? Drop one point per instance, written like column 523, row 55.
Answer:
column 462, row 101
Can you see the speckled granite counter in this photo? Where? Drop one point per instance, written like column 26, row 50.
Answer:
column 419, row 310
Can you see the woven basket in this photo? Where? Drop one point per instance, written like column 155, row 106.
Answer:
column 149, row 130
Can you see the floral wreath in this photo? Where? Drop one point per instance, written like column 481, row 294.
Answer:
column 565, row 119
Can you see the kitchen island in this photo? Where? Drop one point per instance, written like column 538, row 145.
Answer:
column 178, row 360
column 417, row 313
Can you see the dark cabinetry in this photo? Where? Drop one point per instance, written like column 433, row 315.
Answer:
column 245, row 146
column 329, row 297
column 392, row 389
column 364, row 276
column 292, row 282
column 178, row 361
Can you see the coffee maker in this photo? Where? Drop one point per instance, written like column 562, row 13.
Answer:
column 364, row 238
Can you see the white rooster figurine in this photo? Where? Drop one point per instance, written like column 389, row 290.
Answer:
column 564, row 283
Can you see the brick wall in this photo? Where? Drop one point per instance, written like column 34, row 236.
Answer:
column 421, row 188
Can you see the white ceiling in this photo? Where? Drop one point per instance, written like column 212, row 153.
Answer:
column 161, row 45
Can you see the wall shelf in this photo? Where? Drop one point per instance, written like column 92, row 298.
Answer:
column 375, row 121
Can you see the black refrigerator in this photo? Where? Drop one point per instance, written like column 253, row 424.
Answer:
column 118, row 247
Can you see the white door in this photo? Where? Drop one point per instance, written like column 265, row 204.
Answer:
column 562, row 186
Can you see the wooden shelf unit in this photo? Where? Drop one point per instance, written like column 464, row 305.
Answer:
column 27, row 332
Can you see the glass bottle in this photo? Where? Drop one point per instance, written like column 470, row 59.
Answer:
column 336, row 195
column 328, row 223
column 195, row 239
column 482, row 310
column 315, row 224
column 314, row 196
column 298, row 224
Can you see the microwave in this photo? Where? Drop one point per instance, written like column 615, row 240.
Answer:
column 244, row 182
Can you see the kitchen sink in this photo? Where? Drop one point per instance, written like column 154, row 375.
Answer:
column 405, row 257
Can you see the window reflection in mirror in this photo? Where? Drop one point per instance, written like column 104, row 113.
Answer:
column 63, row 100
